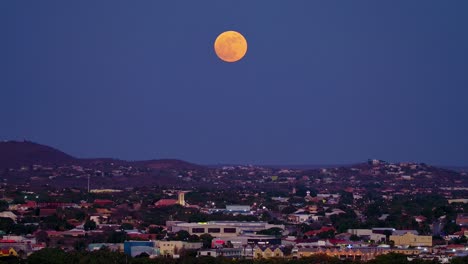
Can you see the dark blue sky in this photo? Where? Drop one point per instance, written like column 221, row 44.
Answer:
column 323, row 82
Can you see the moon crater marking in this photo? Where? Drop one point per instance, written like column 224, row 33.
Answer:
column 230, row 46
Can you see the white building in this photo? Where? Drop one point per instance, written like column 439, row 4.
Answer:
column 222, row 228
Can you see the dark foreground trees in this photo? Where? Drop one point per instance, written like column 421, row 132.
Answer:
column 57, row 256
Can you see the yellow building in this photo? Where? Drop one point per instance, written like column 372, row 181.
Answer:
column 8, row 252
column 171, row 248
column 412, row 240
column 364, row 254
column 409, row 251
column 268, row 252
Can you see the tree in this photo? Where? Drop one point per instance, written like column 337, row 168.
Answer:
column 326, row 234
column 42, row 236
column 21, row 229
column 6, row 224
column 79, row 245
column 229, row 244
column 274, row 231
column 155, row 230
column 288, row 210
column 390, row 258
column 49, row 256
column 117, row 237
column 90, row 225
column 451, row 227
column 3, row 205
column 206, row 240
column 143, row 255
column 182, row 235
column 320, row 258
column 126, row 226
column 193, row 238
column 459, row 260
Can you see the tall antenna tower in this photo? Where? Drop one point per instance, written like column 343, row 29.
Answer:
column 88, row 182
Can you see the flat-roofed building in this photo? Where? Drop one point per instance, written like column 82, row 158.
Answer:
column 243, row 240
column 356, row 253
column 221, row 252
column 268, row 252
column 222, row 228
column 174, row 248
column 412, row 240
column 236, row 207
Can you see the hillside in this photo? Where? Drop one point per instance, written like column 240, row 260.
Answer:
column 14, row 154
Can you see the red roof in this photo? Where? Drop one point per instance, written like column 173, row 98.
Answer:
column 8, row 241
column 55, row 205
column 338, row 241
column 142, row 236
column 102, row 202
column 166, row 202
column 47, row 211
column 5, row 252
column 30, row 204
column 321, row 230
column 455, row 246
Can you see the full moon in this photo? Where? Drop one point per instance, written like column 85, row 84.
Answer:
column 230, row 46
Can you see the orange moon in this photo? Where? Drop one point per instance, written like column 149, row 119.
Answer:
column 230, row 46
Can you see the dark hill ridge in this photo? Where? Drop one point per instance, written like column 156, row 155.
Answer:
column 15, row 154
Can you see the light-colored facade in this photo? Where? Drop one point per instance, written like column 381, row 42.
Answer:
column 222, row 252
column 236, row 207
column 364, row 254
column 267, row 252
column 222, row 228
column 243, row 240
column 412, row 240
column 174, row 248
column 299, row 218
column 375, row 236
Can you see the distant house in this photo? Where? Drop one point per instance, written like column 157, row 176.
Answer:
column 57, row 205
column 111, row 246
column 8, row 214
column 174, row 248
column 140, row 236
column 26, row 206
column 343, row 253
column 268, row 252
column 462, row 219
column 321, row 230
column 44, row 212
column 135, row 248
column 420, row 218
column 299, row 217
column 411, row 240
column 103, row 202
column 8, row 252
column 166, row 202
column 335, row 211
column 221, row 252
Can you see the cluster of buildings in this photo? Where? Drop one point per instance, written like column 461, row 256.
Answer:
column 19, row 246
column 250, row 239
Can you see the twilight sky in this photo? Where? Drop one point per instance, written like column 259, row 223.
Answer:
column 323, row 82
